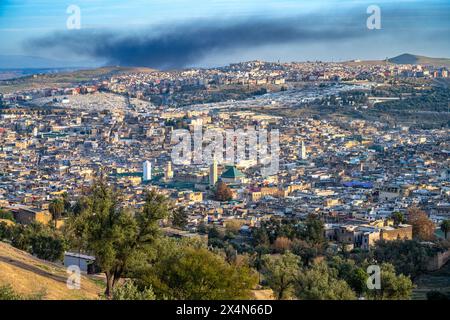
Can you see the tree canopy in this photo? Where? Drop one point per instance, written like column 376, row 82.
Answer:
column 223, row 192
column 393, row 287
column 114, row 235
column 280, row 273
column 322, row 283
column 184, row 271
column 423, row 227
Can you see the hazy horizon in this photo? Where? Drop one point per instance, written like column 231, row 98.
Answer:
column 183, row 34
column 60, row 64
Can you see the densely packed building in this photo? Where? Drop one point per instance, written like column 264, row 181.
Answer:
column 354, row 174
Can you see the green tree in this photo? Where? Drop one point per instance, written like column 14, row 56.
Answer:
column 321, row 283
column 20, row 236
column 231, row 255
column 81, row 205
column 56, row 208
column 202, row 228
column 307, row 251
column 7, row 215
column 314, row 230
column 49, row 247
column 66, row 202
column 287, row 228
column 398, row 218
column 215, row 233
column 408, row 257
column 130, row 291
column 393, row 287
column 257, row 259
column 7, row 293
column 185, row 272
column 113, row 235
column 39, row 240
column 351, row 273
column 280, row 273
column 179, row 218
column 216, row 237
column 358, row 281
column 5, row 231
column 445, row 227
column 260, row 237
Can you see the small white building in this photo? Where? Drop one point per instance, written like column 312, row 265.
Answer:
column 84, row 262
column 147, row 171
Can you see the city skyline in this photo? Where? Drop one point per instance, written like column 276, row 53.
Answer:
column 233, row 150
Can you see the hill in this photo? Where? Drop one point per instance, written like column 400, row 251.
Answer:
column 407, row 58
column 64, row 79
column 28, row 275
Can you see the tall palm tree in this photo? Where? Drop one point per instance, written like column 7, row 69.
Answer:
column 56, row 209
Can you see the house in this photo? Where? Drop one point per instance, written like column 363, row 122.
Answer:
column 389, row 192
column 27, row 215
column 84, row 262
column 364, row 236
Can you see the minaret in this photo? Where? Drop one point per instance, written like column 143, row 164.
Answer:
column 213, row 177
column 147, row 171
column 168, row 174
column 303, row 155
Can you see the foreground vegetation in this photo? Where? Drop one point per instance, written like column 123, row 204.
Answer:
column 294, row 260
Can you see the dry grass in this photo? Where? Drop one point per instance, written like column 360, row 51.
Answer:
column 30, row 276
column 8, row 222
column 262, row 294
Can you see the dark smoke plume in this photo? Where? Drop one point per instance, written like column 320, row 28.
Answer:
column 177, row 46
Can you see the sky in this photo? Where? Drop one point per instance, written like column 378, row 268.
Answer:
column 183, row 33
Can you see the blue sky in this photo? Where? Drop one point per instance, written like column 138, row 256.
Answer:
column 416, row 26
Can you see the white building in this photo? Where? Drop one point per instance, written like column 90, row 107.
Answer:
column 168, row 173
column 147, row 171
column 84, row 262
column 303, row 154
column 213, row 177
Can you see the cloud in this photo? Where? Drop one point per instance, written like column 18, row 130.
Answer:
column 184, row 44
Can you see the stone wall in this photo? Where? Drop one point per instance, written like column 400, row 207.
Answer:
column 438, row 260
column 404, row 233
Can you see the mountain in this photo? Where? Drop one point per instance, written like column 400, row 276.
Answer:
column 28, row 275
column 30, row 62
column 408, row 58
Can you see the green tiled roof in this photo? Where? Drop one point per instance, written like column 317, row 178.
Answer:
column 232, row 173
column 127, row 174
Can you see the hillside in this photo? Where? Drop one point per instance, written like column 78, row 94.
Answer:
column 415, row 59
column 29, row 276
column 64, row 79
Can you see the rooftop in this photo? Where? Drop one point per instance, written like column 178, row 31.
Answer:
column 232, row 173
